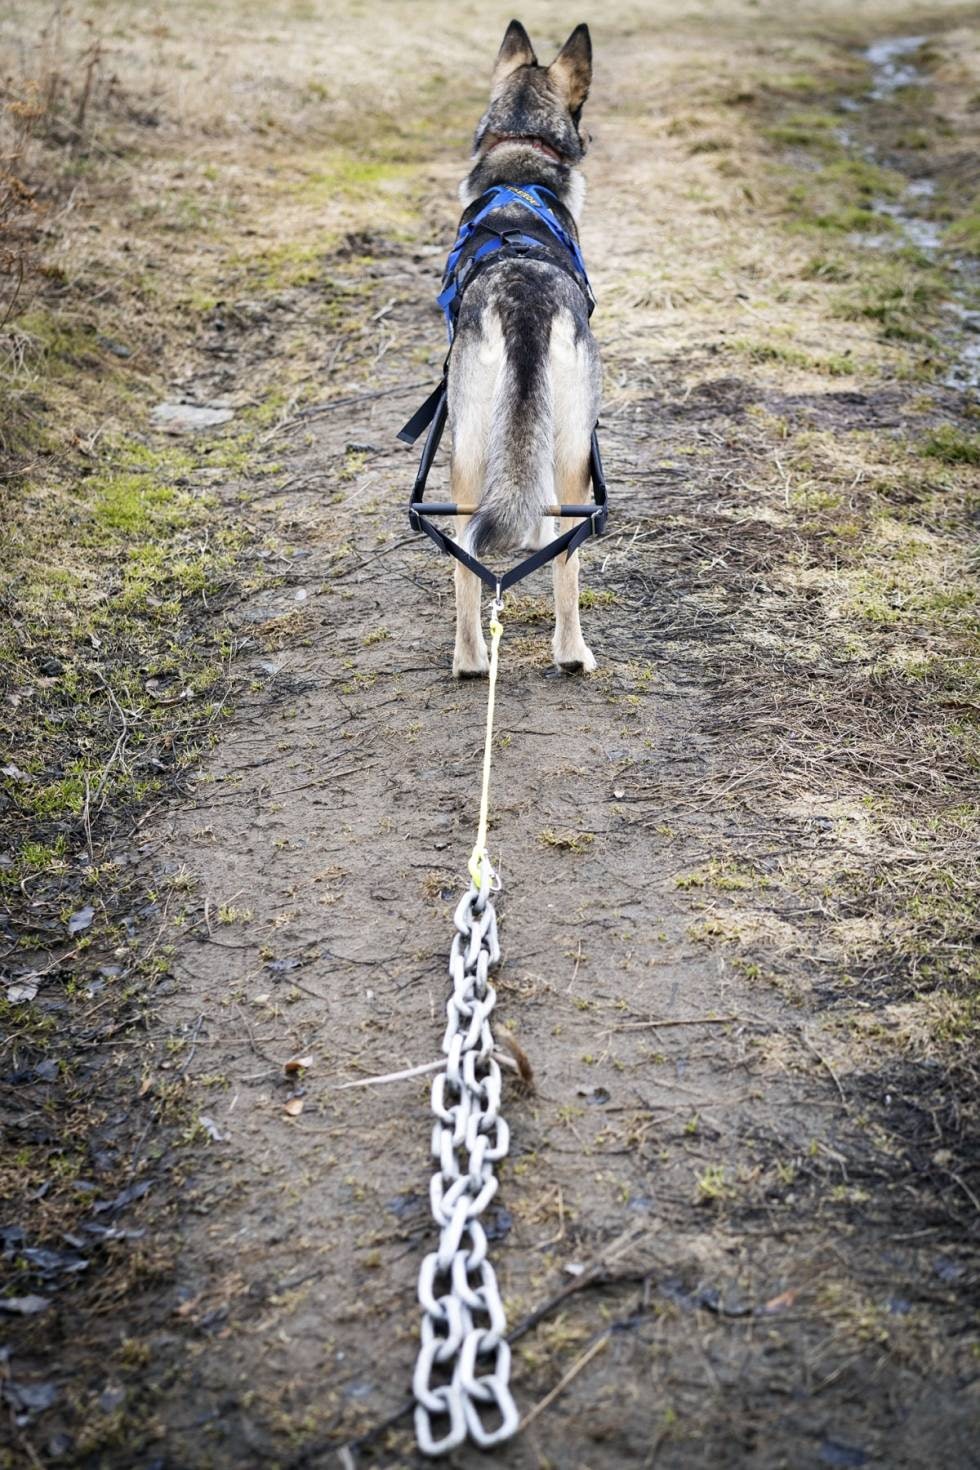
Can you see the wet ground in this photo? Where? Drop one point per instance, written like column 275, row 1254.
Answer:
column 895, row 67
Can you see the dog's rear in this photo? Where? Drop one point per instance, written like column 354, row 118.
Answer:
column 524, row 396
column 524, row 375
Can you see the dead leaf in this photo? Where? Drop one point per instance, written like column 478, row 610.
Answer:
column 81, row 920
column 293, row 1106
column 297, row 1064
column 24, row 1306
column 781, row 1302
column 524, row 1068
column 26, row 990
column 145, row 1086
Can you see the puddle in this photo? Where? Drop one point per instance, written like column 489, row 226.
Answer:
column 890, row 67
column 924, row 234
column 965, row 372
column 893, row 67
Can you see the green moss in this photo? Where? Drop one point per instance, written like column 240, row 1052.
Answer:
column 724, row 875
column 270, row 409
column 900, row 298
column 234, row 453
column 815, row 130
column 860, row 178
column 352, row 175
column 835, row 365
column 131, row 502
column 964, row 233
column 952, row 446
column 848, row 219
column 58, row 799
column 169, row 460
column 63, row 341
column 797, row 83
column 833, row 269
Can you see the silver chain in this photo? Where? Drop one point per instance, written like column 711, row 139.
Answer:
column 462, row 1371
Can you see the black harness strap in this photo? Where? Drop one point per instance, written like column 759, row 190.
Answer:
column 422, row 417
column 433, row 415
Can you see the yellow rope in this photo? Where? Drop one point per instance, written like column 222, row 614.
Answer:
column 480, row 870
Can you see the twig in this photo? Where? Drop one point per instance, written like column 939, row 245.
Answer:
column 392, row 546
column 330, row 776
column 251, row 1037
column 681, row 1021
column 824, row 1063
column 581, row 1362
column 554, row 1239
column 190, row 1054
column 593, row 1275
column 420, row 1071
column 315, row 411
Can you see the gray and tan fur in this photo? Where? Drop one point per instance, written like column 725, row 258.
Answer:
column 524, row 373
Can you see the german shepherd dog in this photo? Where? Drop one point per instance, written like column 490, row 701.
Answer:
column 524, row 373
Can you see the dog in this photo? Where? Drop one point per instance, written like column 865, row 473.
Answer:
column 524, row 376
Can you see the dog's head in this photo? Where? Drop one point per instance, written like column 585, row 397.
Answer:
column 537, row 107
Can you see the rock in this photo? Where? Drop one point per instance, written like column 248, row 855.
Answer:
column 188, row 418
column 118, row 349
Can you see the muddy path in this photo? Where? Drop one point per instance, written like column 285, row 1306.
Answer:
column 758, row 1185
column 680, row 1102
column 708, row 1129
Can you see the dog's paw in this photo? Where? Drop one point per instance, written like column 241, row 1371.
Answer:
column 471, row 663
column 577, row 660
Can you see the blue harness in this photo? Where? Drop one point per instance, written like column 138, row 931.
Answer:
column 512, row 242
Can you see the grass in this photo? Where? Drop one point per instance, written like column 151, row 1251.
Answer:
column 723, row 875
column 952, row 446
column 837, row 365
column 964, row 233
column 875, row 595
column 566, row 841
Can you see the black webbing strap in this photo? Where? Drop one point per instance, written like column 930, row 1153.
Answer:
column 422, row 417
column 432, row 415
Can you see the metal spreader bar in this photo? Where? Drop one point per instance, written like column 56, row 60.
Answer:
column 446, row 508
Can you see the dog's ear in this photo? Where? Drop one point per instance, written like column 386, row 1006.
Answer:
column 571, row 70
column 515, row 50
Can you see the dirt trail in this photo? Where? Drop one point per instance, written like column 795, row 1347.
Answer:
column 788, row 1270
column 678, row 1098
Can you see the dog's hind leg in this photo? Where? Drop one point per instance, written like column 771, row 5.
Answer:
column 470, row 654
column 575, row 386
column 569, row 647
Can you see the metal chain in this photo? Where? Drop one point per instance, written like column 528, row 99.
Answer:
column 462, row 1371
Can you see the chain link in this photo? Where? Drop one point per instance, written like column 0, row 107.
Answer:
column 462, row 1371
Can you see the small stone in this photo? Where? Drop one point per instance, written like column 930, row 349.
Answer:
column 188, row 418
